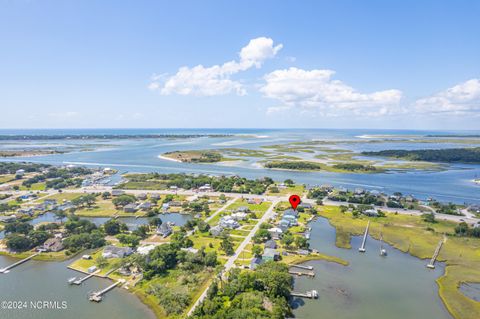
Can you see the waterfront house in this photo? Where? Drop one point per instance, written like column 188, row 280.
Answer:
column 116, row 252
column 145, row 206
column 65, row 207
column 290, row 212
column 50, row 202
column 53, row 245
column 164, row 230
column 291, row 219
column 130, row 208
column 409, row 198
column 359, row 191
column 26, row 211
column 270, row 254
column 175, row 203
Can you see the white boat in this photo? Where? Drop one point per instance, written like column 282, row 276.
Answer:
column 72, row 280
column 383, row 251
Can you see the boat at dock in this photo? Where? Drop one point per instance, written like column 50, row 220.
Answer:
column 72, row 280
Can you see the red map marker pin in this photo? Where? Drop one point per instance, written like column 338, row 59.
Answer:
column 294, row 201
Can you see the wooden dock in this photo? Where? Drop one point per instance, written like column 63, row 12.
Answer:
column 302, row 273
column 362, row 248
column 98, row 295
column 312, row 294
column 81, row 280
column 7, row 269
column 431, row 264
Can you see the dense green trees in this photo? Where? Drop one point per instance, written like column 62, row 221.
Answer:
column 13, row 167
column 247, row 294
column 129, row 240
column 227, row 246
column 452, row 155
column 463, row 229
column 114, row 227
column 123, row 200
column 18, row 227
column 88, row 200
column 294, row 165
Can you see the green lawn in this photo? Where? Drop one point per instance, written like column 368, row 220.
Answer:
column 290, row 190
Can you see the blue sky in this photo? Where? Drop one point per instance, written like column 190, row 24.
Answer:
column 320, row 64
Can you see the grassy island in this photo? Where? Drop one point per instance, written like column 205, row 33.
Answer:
column 316, row 166
column 453, row 155
column 193, row 156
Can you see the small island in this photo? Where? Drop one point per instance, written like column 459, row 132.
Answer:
column 193, row 156
column 452, row 155
column 316, row 166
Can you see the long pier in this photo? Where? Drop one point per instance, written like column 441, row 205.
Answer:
column 362, row 248
column 312, row 294
column 97, row 296
column 431, row 264
column 81, row 280
column 7, row 269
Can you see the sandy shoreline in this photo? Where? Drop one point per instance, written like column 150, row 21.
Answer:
column 169, row 159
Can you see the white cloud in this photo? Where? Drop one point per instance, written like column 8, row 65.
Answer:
column 459, row 99
column 316, row 91
column 216, row 80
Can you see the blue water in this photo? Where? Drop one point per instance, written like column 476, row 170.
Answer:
column 141, row 155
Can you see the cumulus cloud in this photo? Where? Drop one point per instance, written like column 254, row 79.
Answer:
column 315, row 90
column 459, row 99
column 216, row 80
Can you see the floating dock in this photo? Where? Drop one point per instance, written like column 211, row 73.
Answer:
column 7, row 269
column 312, row 294
column 362, row 248
column 431, row 264
column 98, row 295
